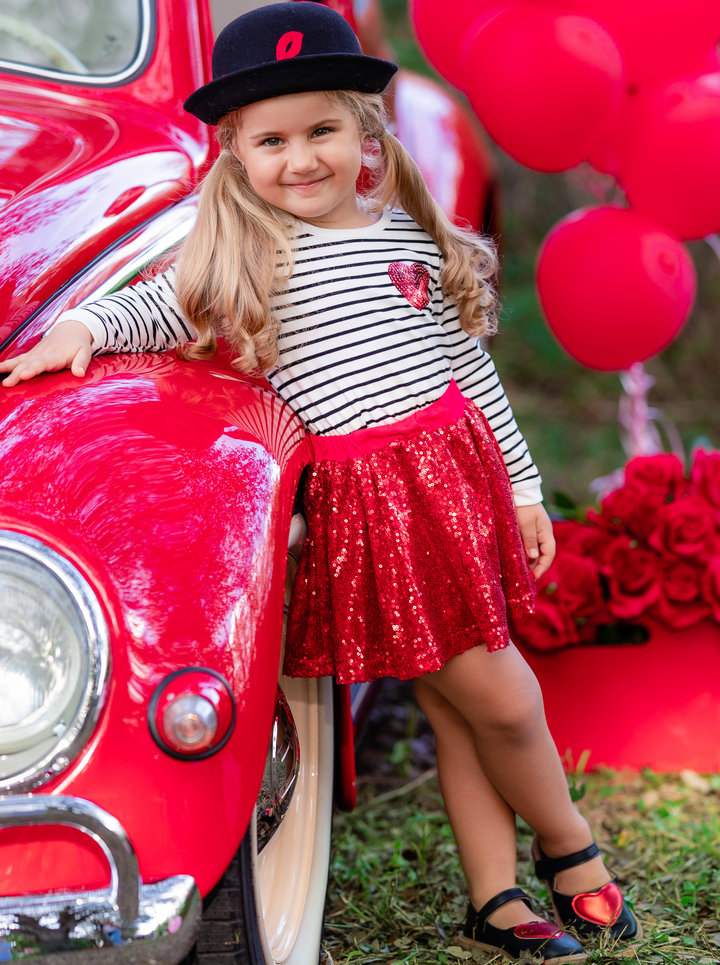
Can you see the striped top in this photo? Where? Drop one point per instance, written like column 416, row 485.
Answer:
column 366, row 335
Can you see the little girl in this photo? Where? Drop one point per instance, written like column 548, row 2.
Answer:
column 423, row 504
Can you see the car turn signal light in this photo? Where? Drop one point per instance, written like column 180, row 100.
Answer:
column 192, row 713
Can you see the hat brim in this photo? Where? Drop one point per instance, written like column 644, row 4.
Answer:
column 299, row 75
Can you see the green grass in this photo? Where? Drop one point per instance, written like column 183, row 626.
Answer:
column 397, row 894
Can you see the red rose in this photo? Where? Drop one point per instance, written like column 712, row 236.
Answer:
column 680, row 604
column 616, row 509
column 549, row 628
column 576, row 583
column 630, row 511
column 650, row 483
column 576, row 538
column 710, row 586
column 643, row 519
column 705, row 478
column 569, row 604
column 661, row 473
column 632, row 572
column 686, row 527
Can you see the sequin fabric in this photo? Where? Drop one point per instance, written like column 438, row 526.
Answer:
column 411, row 281
column 413, row 552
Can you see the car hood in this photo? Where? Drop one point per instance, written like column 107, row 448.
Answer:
column 169, row 485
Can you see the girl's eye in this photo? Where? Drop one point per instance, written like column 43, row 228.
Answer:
column 322, row 130
column 272, row 141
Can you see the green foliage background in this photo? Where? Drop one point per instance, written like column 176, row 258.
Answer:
column 568, row 413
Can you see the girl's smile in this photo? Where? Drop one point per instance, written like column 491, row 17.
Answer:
column 303, row 154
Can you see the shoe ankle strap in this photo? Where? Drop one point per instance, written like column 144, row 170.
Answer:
column 547, row 868
column 503, row 898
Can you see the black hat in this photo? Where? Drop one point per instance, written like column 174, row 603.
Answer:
column 285, row 48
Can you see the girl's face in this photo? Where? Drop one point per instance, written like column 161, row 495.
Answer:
column 303, row 154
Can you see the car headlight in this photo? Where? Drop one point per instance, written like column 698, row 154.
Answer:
column 53, row 662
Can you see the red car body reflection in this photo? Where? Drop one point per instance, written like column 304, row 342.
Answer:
column 175, row 507
column 80, row 166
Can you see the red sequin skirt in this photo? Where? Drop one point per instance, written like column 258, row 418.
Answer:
column 413, row 552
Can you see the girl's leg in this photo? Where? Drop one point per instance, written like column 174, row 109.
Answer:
column 498, row 697
column 482, row 822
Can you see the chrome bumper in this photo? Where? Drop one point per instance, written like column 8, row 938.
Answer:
column 129, row 923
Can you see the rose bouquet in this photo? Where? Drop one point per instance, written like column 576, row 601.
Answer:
column 652, row 550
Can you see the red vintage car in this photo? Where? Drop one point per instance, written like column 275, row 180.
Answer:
column 146, row 524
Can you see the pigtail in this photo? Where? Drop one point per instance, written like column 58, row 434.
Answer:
column 470, row 262
column 234, row 259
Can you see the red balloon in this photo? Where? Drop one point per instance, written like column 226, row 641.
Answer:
column 606, row 157
column 660, row 40
column 669, row 162
column 546, row 86
column 615, row 288
column 442, row 30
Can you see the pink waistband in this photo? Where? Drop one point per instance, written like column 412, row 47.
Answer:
column 446, row 410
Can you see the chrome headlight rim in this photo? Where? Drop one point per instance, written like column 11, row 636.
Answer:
column 71, row 742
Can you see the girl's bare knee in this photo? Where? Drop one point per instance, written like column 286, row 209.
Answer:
column 497, row 695
column 515, row 719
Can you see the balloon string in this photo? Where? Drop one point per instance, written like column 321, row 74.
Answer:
column 714, row 242
column 639, row 425
column 641, row 437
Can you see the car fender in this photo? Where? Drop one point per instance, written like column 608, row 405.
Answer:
column 170, row 486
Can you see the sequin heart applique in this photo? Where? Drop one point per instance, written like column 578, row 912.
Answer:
column 601, row 907
column 411, row 281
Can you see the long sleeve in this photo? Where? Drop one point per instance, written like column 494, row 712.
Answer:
column 475, row 374
column 144, row 318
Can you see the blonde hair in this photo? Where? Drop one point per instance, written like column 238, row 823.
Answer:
column 237, row 255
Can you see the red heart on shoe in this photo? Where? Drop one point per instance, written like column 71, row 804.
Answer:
column 411, row 281
column 601, row 907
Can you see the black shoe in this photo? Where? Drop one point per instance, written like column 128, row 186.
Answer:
column 591, row 912
column 536, row 937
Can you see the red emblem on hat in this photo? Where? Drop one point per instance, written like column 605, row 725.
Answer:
column 289, row 45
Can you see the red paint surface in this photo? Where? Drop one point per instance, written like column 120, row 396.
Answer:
column 42, row 859
column 170, row 486
column 653, row 705
column 345, row 779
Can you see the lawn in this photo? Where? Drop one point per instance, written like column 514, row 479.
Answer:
column 397, row 894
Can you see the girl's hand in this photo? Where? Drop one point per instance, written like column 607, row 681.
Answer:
column 537, row 536
column 68, row 346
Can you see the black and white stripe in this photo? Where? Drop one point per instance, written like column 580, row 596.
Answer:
column 354, row 352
